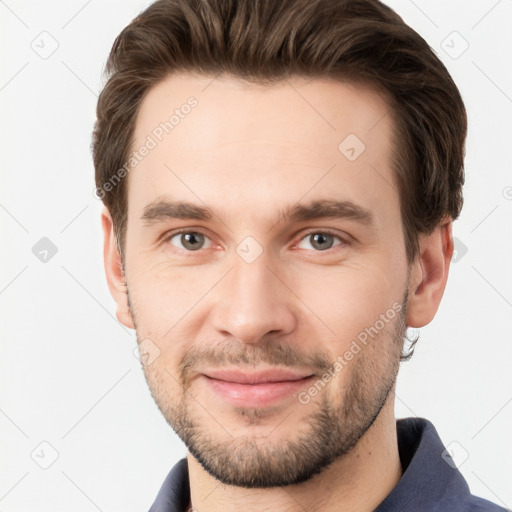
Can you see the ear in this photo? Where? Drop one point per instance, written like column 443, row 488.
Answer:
column 429, row 274
column 114, row 271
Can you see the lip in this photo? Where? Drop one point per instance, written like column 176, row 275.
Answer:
column 257, row 389
column 259, row 377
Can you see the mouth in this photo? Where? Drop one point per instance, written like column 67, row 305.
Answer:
column 255, row 389
column 259, row 377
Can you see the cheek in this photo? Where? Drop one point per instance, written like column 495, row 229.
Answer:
column 167, row 306
column 161, row 296
column 164, row 386
column 349, row 298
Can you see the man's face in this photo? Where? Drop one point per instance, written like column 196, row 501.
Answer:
column 253, row 289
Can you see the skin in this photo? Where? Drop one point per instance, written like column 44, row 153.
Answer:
column 248, row 151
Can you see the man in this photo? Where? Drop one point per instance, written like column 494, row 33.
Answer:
column 234, row 138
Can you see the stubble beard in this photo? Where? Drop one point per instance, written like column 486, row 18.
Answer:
column 329, row 432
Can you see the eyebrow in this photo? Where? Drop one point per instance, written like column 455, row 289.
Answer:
column 161, row 210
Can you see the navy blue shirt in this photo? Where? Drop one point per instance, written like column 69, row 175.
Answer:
column 429, row 482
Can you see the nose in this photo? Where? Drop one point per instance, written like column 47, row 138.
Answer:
column 254, row 301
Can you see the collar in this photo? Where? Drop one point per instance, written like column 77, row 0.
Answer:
column 430, row 481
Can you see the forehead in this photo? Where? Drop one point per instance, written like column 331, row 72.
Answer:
column 211, row 138
column 229, row 109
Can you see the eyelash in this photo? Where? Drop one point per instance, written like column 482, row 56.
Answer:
column 343, row 241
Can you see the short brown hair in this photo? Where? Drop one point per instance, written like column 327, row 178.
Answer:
column 263, row 41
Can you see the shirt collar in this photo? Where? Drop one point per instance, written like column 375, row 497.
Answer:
column 430, row 479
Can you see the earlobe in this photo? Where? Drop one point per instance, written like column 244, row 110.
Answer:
column 114, row 271
column 429, row 275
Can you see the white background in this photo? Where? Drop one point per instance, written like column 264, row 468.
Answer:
column 68, row 375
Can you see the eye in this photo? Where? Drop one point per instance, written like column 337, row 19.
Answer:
column 322, row 240
column 189, row 240
column 192, row 241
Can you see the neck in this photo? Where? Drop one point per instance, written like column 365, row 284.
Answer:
column 358, row 481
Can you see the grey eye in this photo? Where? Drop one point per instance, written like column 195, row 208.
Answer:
column 190, row 240
column 321, row 241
